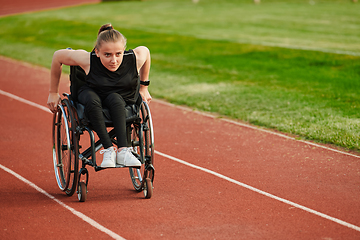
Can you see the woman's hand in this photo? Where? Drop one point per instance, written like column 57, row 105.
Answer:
column 53, row 101
column 144, row 92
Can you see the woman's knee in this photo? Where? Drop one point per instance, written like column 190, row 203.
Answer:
column 114, row 100
column 90, row 100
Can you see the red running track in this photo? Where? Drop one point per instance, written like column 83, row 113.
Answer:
column 236, row 182
column 20, row 6
column 188, row 203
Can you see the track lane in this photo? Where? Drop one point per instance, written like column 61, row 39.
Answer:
column 188, row 203
column 25, row 213
column 286, row 168
column 21, row 6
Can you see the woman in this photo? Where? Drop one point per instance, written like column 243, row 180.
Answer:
column 111, row 81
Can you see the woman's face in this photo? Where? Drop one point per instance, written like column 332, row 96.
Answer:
column 111, row 54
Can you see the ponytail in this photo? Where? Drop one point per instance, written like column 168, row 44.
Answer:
column 108, row 34
column 105, row 27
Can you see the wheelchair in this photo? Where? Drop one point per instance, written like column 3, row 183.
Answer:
column 70, row 123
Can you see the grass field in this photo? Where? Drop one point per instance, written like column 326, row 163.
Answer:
column 289, row 65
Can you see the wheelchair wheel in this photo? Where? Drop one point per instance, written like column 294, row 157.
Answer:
column 143, row 145
column 65, row 148
column 82, row 192
column 136, row 174
column 148, row 188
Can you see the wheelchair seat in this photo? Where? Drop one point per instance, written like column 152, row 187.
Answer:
column 131, row 112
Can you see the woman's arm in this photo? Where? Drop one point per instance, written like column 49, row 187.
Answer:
column 143, row 62
column 67, row 57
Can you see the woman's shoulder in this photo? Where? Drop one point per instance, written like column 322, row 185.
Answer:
column 141, row 50
column 141, row 53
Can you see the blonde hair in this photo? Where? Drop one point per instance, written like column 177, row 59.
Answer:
column 108, row 34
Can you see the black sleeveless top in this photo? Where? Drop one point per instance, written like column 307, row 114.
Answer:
column 125, row 80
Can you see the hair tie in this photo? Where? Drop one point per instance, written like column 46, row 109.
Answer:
column 108, row 28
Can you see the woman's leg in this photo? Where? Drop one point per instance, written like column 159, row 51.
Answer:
column 116, row 104
column 93, row 111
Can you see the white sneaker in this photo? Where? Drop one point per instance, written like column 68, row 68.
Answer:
column 127, row 159
column 109, row 157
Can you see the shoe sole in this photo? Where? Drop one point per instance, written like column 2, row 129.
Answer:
column 108, row 166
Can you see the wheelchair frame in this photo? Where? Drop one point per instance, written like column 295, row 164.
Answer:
column 67, row 129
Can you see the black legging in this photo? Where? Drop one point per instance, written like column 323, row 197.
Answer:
column 93, row 110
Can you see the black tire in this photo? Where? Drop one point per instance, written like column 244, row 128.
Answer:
column 143, row 145
column 148, row 135
column 148, row 188
column 65, row 148
column 137, row 174
column 82, row 192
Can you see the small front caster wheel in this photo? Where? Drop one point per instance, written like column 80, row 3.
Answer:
column 148, row 188
column 82, row 192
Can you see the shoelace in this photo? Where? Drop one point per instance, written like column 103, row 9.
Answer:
column 107, row 150
column 129, row 150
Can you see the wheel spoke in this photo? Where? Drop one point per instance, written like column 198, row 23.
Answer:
column 65, row 155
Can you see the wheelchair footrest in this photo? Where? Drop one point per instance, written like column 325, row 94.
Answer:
column 99, row 168
column 122, row 166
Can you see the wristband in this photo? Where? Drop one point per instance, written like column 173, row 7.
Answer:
column 145, row 83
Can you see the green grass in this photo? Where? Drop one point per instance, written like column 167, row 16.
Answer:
column 245, row 61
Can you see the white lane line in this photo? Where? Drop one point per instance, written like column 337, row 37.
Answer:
column 200, row 113
column 10, row 95
column 253, row 127
column 72, row 210
column 341, row 222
